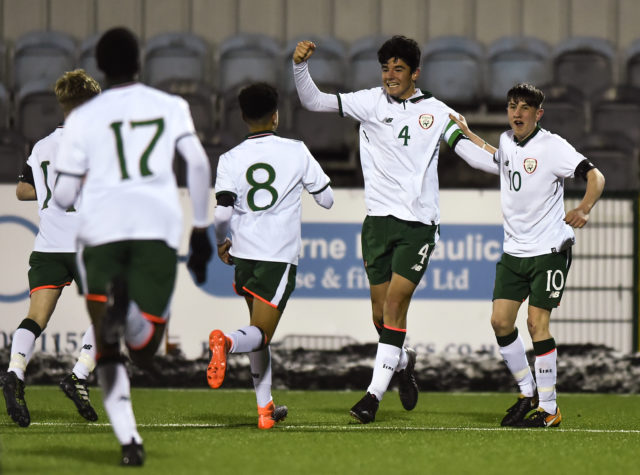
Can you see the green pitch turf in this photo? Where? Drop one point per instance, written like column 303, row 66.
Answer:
column 214, row 431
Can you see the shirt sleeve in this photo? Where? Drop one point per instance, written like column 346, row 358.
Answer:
column 71, row 158
column 566, row 158
column 314, row 179
column 360, row 104
column 224, row 176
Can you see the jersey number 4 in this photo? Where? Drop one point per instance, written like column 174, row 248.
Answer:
column 144, row 158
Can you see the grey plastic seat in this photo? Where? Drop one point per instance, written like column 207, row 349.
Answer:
column 564, row 112
column 42, row 56
column 13, row 154
column 201, row 99
column 4, row 107
column 615, row 156
column 513, row 60
column 248, row 58
column 87, row 58
column 452, row 70
column 585, row 63
column 176, row 56
column 37, row 110
column 617, row 111
column 632, row 64
column 364, row 69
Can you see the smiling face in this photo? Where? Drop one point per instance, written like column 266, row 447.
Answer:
column 523, row 118
column 398, row 80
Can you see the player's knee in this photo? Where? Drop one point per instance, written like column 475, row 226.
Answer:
column 501, row 325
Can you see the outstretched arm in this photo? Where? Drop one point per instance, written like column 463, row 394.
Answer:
column 310, row 96
column 471, row 148
column 579, row 216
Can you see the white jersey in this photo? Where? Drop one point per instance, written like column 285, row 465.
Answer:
column 532, row 176
column 58, row 227
column 399, row 145
column 123, row 141
column 266, row 175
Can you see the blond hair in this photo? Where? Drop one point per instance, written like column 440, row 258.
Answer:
column 74, row 88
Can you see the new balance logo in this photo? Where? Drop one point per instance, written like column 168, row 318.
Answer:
column 388, row 120
column 554, row 295
column 87, row 347
column 416, row 267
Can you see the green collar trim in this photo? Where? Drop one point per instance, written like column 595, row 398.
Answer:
column 526, row 140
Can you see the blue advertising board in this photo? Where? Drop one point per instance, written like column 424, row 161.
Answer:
column 462, row 265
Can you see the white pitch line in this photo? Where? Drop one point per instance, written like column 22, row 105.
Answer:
column 351, row 427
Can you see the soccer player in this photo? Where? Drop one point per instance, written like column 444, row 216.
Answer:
column 533, row 164
column 258, row 189
column 400, row 132
column 52, row 264
column 119, row 149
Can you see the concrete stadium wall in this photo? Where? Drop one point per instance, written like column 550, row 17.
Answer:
column 484, row 20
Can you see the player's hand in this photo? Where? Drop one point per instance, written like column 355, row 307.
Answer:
column 304, row 50
column 223, row 252
column 576, row 218
column 201, row 252
column 461, row 122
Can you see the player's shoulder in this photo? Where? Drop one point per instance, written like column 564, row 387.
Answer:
column 46, row 143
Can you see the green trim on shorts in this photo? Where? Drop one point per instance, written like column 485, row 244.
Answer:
column 271, row 282
column 392, row 245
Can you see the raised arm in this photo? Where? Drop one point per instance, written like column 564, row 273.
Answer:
column 310, row 96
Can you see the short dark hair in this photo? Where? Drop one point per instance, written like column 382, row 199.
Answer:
column 258, row 101
column 527, row 93
column 118, row 53
column 402, row 48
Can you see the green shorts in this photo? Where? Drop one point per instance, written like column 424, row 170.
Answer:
column 271, row 282
column 541, row 278
column 52, row 270
column 391, row 245
column 149, row 268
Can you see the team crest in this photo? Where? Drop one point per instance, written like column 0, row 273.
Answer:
column 530, row 165
column 426, row 121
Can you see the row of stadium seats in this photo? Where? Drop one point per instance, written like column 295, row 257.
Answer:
column 580, row 102
column 460, row 70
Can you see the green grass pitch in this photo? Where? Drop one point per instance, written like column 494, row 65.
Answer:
column 195, row 431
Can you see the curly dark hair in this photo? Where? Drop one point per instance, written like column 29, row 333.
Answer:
column 402, row 48
column 258, row 101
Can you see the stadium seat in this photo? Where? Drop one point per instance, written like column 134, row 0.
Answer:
column 37, row 110
column 564, row 112
column 617, row 111
column 87, row 58
column 632, row 64
column 42, row 56
column 201, row 99
column 176, row 56
column 364, row 68
column 586, row 63
column 4, row 107
column 615, row 156
column 248, row 58
column 452, row 70
column 512, row 60
column 3, row 63
column 13, row 154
